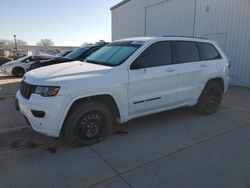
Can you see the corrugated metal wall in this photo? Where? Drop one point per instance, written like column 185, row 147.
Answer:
column 128, row 20
column 174, row 17
column 226, row 21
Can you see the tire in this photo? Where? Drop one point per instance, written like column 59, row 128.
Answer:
column 18, row 72
column 88, row 123
column 210, row 99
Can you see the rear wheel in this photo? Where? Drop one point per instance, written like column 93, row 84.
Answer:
column 88, row 123
column 210, row 99
column 18, row 72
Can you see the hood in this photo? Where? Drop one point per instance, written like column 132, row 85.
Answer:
column 66, row 71
column 52, row 61
column 58, row 59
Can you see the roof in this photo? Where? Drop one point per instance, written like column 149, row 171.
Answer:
column 179, row 38
column 119, row 4
column 144, row 39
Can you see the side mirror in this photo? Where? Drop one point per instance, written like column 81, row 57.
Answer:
column 136, row 65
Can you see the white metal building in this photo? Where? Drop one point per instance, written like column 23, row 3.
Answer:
column 226, row 21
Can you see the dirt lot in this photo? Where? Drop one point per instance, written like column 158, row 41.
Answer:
column 178, row 148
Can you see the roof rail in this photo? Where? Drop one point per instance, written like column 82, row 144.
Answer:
column 186, row 37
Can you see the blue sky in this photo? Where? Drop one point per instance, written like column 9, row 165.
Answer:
column 66, row 22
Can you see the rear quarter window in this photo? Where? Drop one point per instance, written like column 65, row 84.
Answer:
column 208, row 52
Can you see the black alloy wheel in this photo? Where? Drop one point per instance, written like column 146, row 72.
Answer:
column 210, row 99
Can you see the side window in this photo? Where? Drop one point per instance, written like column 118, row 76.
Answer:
column 186, row 52
column 26, row 60
column 208, row 52
column 158, row 54
column 32, row 58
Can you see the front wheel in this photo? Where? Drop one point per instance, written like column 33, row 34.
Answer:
column 18, row 72
column 88, row 123
column 210, row 99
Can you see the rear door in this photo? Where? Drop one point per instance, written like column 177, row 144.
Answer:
column 210, row 57
column 152, row 79
column 192, row 72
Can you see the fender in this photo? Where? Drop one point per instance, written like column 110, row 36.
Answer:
column 74, row 99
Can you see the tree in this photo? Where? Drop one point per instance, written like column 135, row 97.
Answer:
column 87, row 44
column 45, row 42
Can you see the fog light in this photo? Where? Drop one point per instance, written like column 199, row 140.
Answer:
column 38, row 114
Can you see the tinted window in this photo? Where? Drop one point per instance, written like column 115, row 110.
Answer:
column 75, row 54
column 185, row 52
column 158, row 54
column 208, row 52
column 23, row 59
column 35, row 58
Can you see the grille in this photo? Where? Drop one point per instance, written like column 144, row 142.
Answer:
column 27, row 89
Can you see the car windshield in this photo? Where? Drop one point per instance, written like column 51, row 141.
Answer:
column 61, row 54
column 75, row 54
column 114, row 54
column 23, row 58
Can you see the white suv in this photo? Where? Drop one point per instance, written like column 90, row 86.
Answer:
column 126, row 79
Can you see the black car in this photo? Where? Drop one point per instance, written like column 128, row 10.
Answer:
column 4, row 60
column 79, row 54
column 63, row 53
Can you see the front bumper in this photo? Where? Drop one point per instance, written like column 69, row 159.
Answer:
column 54, row 107
column 6, row 70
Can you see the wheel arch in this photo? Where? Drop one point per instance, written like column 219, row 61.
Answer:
column 16, row 68
column 106, row 99
column 218, row 80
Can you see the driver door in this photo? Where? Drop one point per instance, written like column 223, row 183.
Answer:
column 152, row 80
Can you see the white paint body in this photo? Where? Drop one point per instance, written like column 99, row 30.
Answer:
column 23, row 63
column 7, row 68
column 177, row 85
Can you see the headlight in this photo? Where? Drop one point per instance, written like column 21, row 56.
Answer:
column 47, row 91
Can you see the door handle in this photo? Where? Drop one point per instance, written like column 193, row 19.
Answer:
column 170, row 70
column 203, row 66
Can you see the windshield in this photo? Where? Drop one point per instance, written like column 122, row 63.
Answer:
column 75, row 54
column 23, row 58
column 113, row 54
column 61, row 54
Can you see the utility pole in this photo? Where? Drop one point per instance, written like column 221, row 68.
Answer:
column 15, row 44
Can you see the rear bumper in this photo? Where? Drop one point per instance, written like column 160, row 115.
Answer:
column 54, row 108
